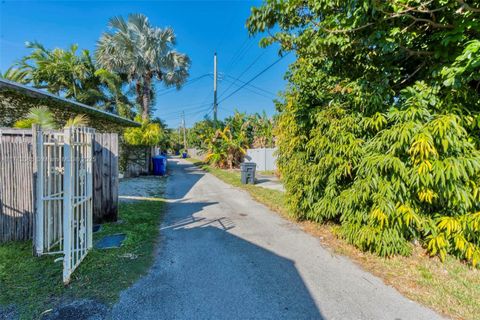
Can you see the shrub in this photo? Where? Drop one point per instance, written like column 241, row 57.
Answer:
column 225, row 150
column 378, row 126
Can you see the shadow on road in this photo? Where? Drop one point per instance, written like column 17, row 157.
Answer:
column 204, row 271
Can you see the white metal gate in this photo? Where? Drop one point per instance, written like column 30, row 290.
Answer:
column 64, row 188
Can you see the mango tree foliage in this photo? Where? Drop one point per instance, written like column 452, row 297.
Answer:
column 379, row 124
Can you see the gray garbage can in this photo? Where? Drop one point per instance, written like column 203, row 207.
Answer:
column 247, row 170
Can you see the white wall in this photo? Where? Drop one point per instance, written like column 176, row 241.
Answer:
column 264, row 158
column 196, row 154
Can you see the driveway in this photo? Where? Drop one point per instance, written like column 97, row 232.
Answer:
column 269, row 182
column 224, row 256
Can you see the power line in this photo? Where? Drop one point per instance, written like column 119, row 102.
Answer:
column 232, row 59
column 193, row 112
column 189, row 82
column 180, row 108
column 250, row 85
column 253, row 91
column 252, row 79
column 194, row 118
column 245, row 70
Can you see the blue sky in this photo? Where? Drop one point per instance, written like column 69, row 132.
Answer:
column 202, row 27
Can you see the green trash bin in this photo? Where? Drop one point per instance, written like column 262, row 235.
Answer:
column 247, row 170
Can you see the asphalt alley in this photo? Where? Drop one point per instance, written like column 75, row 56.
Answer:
column 222, row 255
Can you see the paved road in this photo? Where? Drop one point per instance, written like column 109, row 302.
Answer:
column 224, row 256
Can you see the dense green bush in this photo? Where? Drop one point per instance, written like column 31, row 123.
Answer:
column 224, row 142
column 152, row 133
column 378, row 128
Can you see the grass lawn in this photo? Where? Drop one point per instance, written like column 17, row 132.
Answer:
column 451, row 288
column 34, row 285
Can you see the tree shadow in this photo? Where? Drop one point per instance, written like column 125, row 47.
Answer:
column 205, row 271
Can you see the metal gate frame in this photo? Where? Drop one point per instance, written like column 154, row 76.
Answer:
column 64, row 193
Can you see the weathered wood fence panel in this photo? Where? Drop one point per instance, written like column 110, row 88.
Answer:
column 17, row 182
column 105, row 177
column 16, row 185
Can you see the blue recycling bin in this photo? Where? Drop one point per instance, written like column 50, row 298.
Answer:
column 184, row 155
column 159, row 165
column 163, row 169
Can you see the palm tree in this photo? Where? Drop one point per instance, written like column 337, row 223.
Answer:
column 15, row 75
column 80, row 120
column 74, row 76
column 142, row 54
column 44, row 118
column 59, row 71
column 117, row 101
column 37, row 115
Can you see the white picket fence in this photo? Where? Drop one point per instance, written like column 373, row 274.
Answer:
column 265, row 158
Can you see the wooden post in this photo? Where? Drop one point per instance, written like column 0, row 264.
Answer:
column 105, row 177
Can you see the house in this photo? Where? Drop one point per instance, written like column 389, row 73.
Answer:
column 16, row 100
column 18, row 177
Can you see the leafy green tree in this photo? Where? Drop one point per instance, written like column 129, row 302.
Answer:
column 116, row 100
column 15, row 75
column 150, row 134
column 263, row 128
column 74, row 76
column 241, row 127
column 62, row 72
column 201, row 130
column 40, row 116
column 44, row 118
column 224, row 149
column 378, row 127
column 142, row 54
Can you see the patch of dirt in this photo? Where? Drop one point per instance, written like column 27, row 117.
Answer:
column 78, row 310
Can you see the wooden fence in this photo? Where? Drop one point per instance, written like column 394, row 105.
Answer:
column 105, row 177
column 17, row 182
column 16, row 185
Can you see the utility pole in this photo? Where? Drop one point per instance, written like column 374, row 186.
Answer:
column 179, row 134
column 184, row 131
column 215, row 105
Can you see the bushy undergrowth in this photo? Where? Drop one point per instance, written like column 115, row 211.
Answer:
column 407, row 174
column 378, row 127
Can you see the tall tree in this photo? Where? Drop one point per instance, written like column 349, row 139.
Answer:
column 142, row 54
column 15, row 75
column 378, row 128
column 72, row 75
